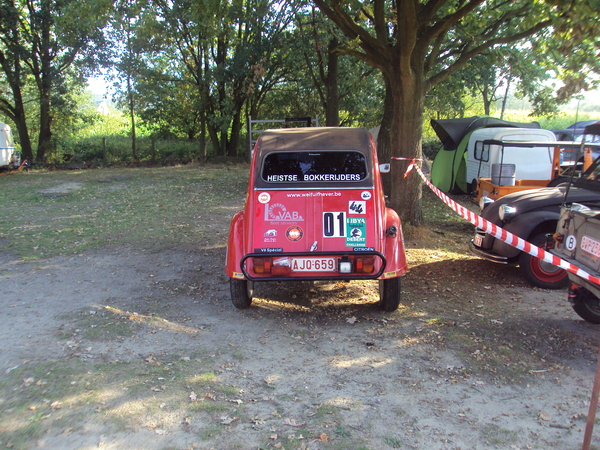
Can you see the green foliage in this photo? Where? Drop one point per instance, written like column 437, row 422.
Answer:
column 45, row 50
column 196, row 69
column 116, row 149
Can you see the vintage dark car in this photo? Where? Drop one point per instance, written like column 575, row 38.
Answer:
column 315, row 210
column 531, row 215
column 577, row 240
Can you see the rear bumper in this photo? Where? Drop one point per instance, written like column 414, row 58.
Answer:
column 487, row 255
column 590, row 286
column 300, row 276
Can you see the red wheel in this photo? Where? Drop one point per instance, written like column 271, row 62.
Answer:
column 539, row 272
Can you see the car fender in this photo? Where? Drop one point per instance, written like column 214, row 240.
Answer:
column 394, row 246
column 235, row 246
column 522, row 226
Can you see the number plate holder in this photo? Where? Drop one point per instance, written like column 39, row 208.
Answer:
column 590, row 245
column 314, row 265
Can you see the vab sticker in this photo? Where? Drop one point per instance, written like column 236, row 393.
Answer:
column 294, row 233
column 278, row 212
column 365, row 195
column 264, row 197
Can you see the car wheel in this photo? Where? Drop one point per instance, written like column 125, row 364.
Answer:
column 541, row 273
column 241, row 293
column 389, row 294
column 586, row 305
column 559, row 181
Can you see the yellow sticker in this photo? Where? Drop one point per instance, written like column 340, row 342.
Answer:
column 389, row 274
column 238, row 275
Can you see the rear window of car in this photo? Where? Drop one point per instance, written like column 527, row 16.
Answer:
column 314, row 167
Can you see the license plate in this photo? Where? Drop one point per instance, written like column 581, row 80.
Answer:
column 478, row 240
column 590, row 245
column 313, row 265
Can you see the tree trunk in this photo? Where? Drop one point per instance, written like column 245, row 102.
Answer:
column 332, row 116
column 45, row 136
column 45, row 84
column 132, row 117
column 487, row 101
column 236, row 127
column 202, row 137
column 20, row 120
column 214, row 139
column 505, row 98
column 400, row 136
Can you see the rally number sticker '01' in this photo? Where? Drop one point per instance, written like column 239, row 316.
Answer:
column 334, row 224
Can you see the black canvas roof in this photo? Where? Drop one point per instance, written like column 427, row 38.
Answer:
column 593, row 128
column 452, row 131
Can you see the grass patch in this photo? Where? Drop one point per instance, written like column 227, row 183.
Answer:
column 210, row 432
column 392, row 442
column 324, row 411
column 151, row 208
column 103, row 324
column 39, row 397
column 497, row 436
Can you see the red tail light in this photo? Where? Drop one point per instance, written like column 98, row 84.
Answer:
column 364, row 265
column 262, row 265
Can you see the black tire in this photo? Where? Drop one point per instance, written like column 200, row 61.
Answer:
column 586, row 305
column 389, row 294
column 559, row 181
column 473, row 185
column 241, row 293
column 540, row 273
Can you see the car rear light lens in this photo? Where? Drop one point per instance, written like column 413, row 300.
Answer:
column 364, row 265
column 262, row 265
column 282, row 266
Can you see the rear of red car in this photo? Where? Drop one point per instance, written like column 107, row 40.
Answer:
column 315, row 210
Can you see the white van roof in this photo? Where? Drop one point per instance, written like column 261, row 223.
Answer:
column 515, row 134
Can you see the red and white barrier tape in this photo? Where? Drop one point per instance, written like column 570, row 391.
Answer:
column 496, row 231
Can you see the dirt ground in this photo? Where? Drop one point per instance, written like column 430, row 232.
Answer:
column 473, row 359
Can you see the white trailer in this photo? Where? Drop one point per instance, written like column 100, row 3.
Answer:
column 533, row 163
column 8, row 156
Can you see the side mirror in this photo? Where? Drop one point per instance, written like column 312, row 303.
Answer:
column 385, row 168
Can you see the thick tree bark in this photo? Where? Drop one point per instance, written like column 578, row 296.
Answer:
column 400, row 136
column 132, row 117
column 332, row 114
column 45, row 79
column 24, row 140
column 17, row 114
column 45, row 136
column 236, row 126
column 202, row 137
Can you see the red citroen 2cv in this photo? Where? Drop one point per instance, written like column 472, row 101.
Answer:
column 315, row 211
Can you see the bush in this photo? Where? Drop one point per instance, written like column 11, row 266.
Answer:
column 117, row 150
column 431, row 147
